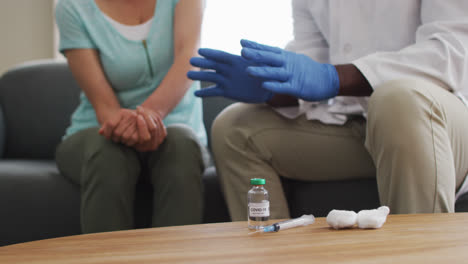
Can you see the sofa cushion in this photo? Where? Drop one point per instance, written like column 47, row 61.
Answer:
column 211, row 108
column 319, row 198
column 2, row 133
column 215, row 209
column 36, row 202
column 462, row 203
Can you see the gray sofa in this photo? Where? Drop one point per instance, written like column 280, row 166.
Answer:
column 36, row 202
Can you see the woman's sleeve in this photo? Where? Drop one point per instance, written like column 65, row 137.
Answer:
column 440, row 53
column 308, row 39
column 73, row 34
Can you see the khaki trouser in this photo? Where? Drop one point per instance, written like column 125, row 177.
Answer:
column 415, row 142
column 108, row 172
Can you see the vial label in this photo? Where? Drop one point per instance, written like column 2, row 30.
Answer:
column 259, row 209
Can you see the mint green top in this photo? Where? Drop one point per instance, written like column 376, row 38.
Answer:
column 133, row 70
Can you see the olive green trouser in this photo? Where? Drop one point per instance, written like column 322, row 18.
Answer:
column 108, row 173
column 415, row 141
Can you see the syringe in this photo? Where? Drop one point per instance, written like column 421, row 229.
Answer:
column 300, row 221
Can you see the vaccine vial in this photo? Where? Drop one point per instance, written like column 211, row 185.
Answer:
column 258, row 204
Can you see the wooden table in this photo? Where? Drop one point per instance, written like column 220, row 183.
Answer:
column 436, row 238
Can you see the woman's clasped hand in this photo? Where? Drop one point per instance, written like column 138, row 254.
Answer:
column 142, row 129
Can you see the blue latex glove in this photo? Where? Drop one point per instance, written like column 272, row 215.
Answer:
column 230, row 77
column 290, row 73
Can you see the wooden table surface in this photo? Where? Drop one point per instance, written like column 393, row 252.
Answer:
column 435, row 238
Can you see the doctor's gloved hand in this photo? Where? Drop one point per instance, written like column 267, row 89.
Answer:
column 290, row 73
column 230, row 77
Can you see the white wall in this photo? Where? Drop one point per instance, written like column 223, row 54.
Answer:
column 226, row 22
column 27, row 27
column 26, row 31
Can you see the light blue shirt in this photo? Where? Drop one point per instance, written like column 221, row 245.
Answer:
column 133, row 70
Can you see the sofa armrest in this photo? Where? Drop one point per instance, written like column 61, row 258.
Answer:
column 46, row 89
column 2, row 133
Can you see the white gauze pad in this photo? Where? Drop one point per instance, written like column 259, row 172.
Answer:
column 341, row 219
column 374, row 218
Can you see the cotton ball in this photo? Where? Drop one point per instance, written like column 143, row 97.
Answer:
column 341, row 219
column 372, row 218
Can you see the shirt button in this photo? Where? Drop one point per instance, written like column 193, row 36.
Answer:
column 347, row 48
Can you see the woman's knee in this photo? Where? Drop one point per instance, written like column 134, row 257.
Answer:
column 182, row 147
column 108, row 162
column 181, row 133
column 182, row 140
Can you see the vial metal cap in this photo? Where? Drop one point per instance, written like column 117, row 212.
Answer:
column 257, row 181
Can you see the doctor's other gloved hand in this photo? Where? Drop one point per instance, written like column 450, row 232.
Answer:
column 230, row 77
column 290, row 73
